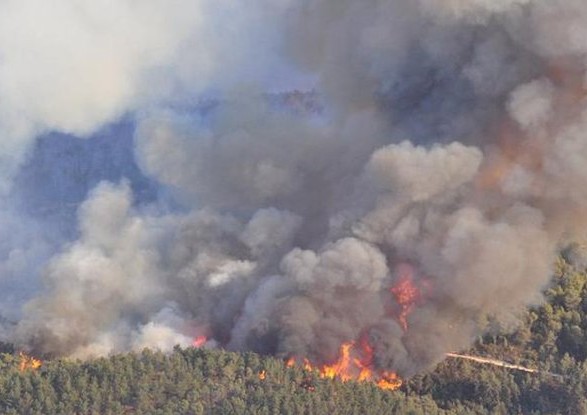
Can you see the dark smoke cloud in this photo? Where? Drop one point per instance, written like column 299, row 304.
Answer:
column 448, row 144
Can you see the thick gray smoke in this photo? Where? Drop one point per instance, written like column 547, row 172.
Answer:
column 442, row 150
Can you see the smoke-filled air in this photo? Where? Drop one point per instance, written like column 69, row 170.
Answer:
column 369, row 183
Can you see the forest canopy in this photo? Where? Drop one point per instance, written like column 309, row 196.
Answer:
column 553, row 340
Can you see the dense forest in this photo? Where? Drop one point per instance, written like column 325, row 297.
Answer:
column 552, row 339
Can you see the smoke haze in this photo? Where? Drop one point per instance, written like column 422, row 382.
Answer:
column 438, row 142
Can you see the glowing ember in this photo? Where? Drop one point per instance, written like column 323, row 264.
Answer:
column 406, row 293
column 354, row 364
column 199, row 341
column 28, row 362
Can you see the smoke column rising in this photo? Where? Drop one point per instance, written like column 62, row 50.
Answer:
column 444, row 142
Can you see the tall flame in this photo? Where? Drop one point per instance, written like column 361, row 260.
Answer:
column 354, row 363
column 406, row 293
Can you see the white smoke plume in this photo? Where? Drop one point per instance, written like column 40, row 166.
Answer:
column 443, row 144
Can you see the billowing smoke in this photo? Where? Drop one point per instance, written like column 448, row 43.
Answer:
column 416, row 195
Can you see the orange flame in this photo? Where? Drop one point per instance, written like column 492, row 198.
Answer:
column 353, row 364
column 389, row 381
column 342, row 367
column 406, row 293
column 199, row 341
column 28, row 362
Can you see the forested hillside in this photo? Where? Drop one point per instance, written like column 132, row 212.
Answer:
column 199, row 381
column 191, row 381
column 552, row 339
